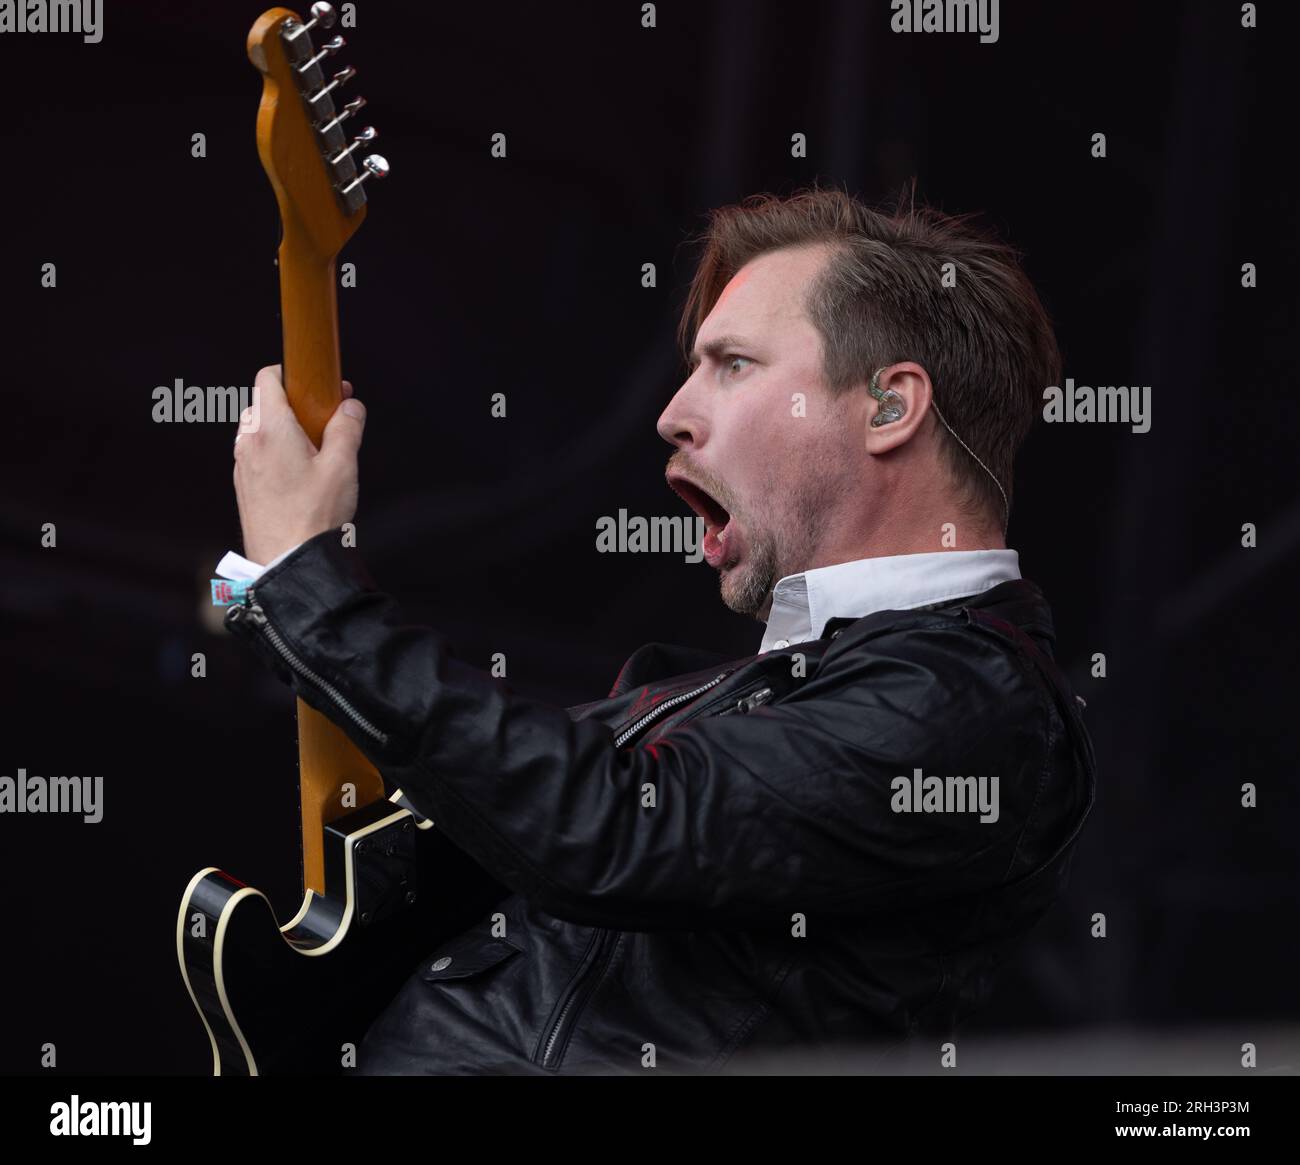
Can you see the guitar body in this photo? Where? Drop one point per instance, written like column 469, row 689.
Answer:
column 381, row 888
column 289, row 998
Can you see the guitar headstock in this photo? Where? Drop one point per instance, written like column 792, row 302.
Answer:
column 302, row 129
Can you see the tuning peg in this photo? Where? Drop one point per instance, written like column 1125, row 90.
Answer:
column 339, row 78
column 375, row 167
column 322, row 14
column 366, row 136
column 353, row 106
column 329, row 48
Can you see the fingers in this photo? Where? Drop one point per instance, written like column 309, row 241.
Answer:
column 268, row 390
column 342, row 436
column 268, row 393
column 271, row 405
column 250, row 421
column 270, row 418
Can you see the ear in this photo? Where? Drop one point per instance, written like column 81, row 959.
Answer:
column 910, row 385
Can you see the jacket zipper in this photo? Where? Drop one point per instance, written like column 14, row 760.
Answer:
column 571, row 1005
column 650, row 717
column 254, row 612
column 749, row 703
column 580, row 990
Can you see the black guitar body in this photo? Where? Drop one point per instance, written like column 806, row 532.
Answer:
column 287, row 999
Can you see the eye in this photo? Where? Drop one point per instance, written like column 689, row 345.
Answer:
column 731, row 362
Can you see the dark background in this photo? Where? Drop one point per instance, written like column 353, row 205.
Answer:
column 522, row 276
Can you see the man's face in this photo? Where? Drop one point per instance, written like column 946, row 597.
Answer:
column 770, row 483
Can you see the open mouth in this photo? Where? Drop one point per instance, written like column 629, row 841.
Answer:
column 715, row 515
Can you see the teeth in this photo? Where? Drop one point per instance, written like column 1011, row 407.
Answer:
column 722, row 534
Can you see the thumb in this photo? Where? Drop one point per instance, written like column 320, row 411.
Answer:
column 342, row 435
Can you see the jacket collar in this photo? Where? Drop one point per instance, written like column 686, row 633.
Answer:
column 1019, row 601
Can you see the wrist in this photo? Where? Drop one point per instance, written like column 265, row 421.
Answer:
column 267, row 550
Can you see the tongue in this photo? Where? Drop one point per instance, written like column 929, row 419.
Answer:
column 712, row 544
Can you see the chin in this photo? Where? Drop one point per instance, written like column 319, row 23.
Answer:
column 736, row 588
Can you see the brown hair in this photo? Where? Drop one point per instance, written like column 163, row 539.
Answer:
column 986, row 342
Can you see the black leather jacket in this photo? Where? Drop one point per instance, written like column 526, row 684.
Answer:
column 708, row 862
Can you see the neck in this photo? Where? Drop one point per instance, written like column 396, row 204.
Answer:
column 901, row 530
column 925, row 538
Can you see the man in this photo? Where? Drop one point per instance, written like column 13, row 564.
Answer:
column 831, row 842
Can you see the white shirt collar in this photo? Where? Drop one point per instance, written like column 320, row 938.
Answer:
column 803, row 603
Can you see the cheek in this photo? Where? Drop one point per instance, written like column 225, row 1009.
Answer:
column 836, row 432
column 809, row 460
column 772, row 449
column 768, row 448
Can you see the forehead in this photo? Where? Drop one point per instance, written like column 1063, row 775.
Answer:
column 767, row 292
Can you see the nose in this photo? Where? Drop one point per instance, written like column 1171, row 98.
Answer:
column 680, row 424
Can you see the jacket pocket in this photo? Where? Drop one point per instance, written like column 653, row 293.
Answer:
column 469, row 954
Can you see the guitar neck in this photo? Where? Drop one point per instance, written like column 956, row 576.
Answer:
column 309, row 311
column 302, row 146
column 334, row 777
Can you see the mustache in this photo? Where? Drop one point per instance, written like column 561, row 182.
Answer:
column 711, row 484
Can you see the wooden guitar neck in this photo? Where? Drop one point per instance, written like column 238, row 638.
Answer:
column 330, row 766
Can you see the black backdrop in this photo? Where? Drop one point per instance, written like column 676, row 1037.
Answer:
column 522, row 275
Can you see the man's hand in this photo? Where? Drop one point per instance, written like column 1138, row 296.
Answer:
column 287, row 491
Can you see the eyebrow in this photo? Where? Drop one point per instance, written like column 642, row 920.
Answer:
column 716, row 348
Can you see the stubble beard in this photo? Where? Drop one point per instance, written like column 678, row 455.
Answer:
column 775, row 546
column 745, row 588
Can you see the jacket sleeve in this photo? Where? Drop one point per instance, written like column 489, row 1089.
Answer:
column 722, row 821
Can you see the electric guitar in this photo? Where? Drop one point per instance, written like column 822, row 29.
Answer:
column 294, row 997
